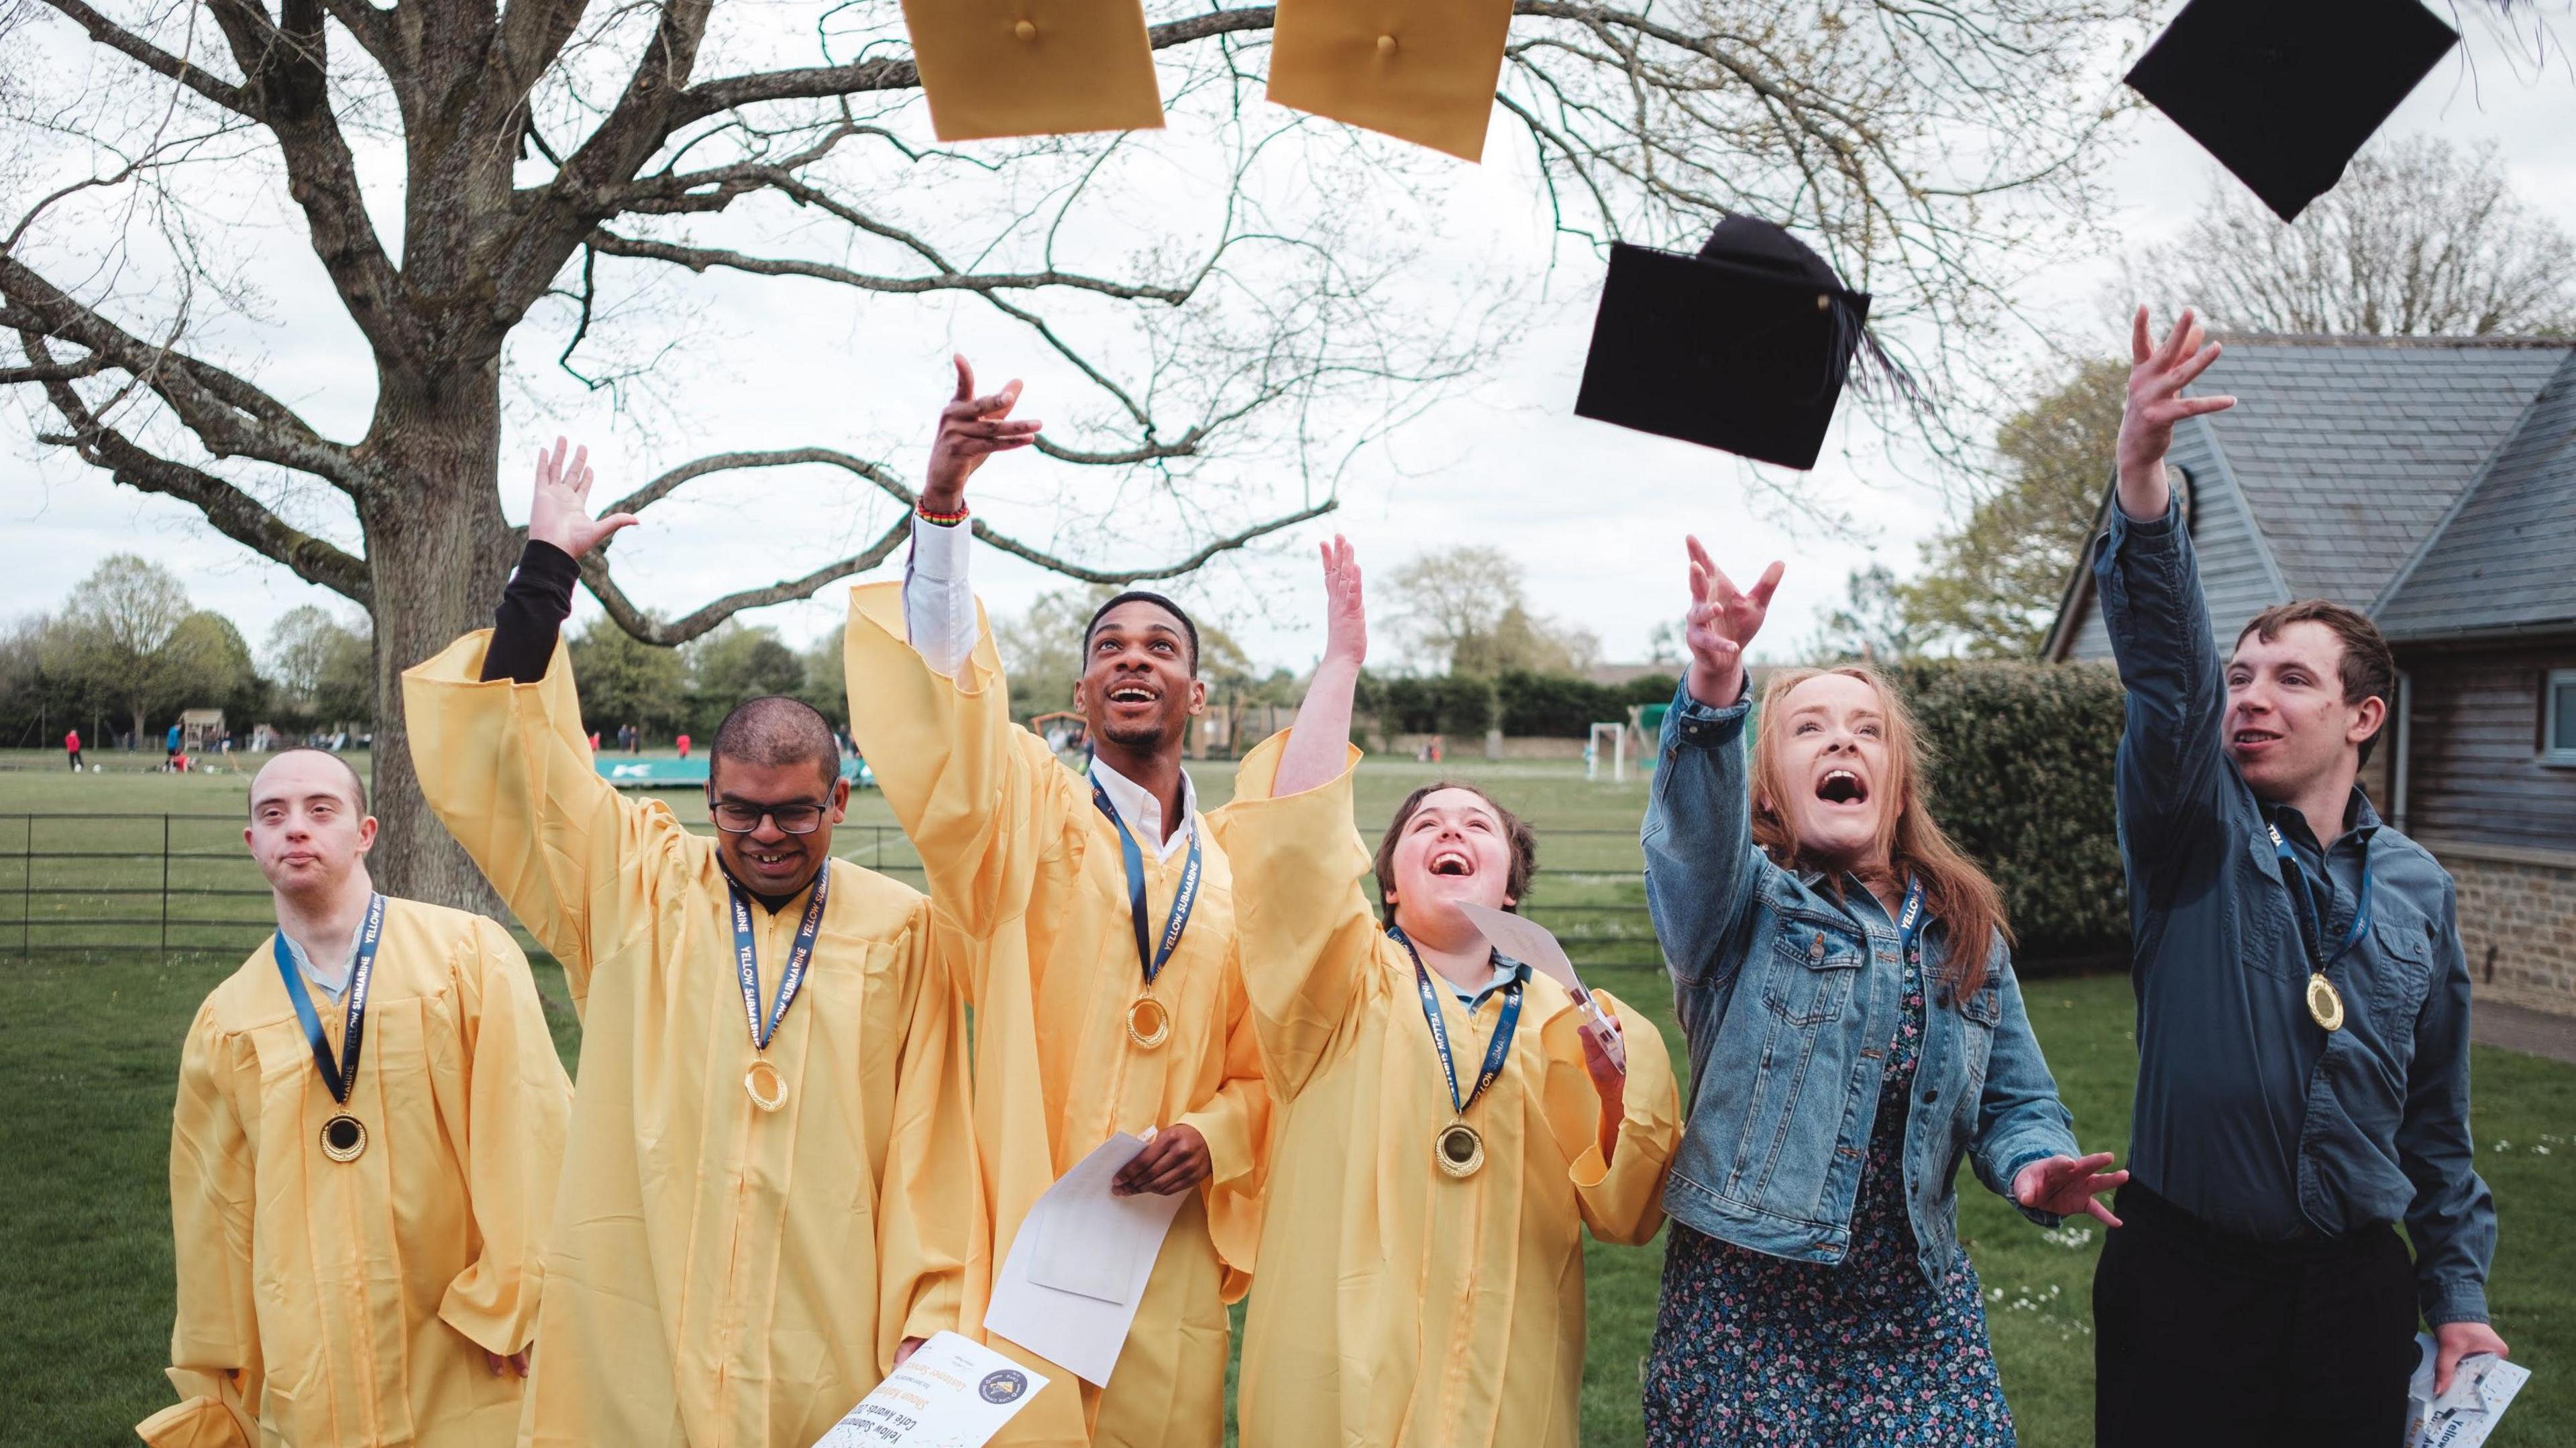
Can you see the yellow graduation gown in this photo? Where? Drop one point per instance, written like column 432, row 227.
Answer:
column 1401, row 1308
column 1026, row 866
column 333, row 1303
column 718, row 1276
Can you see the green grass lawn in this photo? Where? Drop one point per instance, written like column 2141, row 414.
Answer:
column 89, row 1052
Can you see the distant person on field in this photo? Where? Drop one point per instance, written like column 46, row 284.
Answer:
column 170, row 749
column 71, row 747
column 2303, row 1011
column 363, row 1157
column 683, row 743
column 1844, row 979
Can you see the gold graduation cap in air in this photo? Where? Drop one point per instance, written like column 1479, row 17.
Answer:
column 1034, row 67
column 1420, row 70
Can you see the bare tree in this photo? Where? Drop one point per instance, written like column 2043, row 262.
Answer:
column 1231, row 292
column 2423, row 238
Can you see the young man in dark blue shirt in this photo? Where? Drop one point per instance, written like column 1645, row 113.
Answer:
column 2303, row 1012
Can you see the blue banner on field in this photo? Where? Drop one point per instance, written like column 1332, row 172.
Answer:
column 629, row 772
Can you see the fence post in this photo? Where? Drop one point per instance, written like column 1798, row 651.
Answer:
column 165, row 892
column 27, row 896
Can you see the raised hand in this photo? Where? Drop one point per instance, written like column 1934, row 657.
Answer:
column 559, row 513
column 1318, row 748
column 971, row 429
column 2068, row 1186
column 1721, row 623
column 1345, row 613
column 2158, row 373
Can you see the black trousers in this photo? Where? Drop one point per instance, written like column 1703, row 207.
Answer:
column 2288, row 1344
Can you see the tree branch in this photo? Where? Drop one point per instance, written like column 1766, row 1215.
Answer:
column 700, row 258
column 1193, row 562
column 594, row 574
column 662, row 487
column 235, row 514
column 229, row 416
column 152, row 57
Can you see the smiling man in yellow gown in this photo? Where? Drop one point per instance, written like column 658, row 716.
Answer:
column 1102, row 1005
column 1450, row 1126
column 362, row 1158
column 766, row 1194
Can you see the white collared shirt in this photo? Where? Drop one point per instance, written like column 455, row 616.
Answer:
column 332, row 979
column 939, row 622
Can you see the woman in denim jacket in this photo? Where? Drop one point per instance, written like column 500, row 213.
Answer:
column 1845, row 984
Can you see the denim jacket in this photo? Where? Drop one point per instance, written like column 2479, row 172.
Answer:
column 2249, row 1116
column 1788, row 1000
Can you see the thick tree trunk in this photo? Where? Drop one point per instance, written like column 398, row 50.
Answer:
column 438, row 552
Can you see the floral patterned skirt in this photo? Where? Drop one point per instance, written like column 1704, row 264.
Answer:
column 1755, row 1349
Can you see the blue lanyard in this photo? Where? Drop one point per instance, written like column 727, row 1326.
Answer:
column 1910, row 922
column 340, row 1076
column 2303, row 898
column 1495, row 1054
column 791, row 978
column 1183, row 897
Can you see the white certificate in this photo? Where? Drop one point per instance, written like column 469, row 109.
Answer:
column 951, row 1393
column 1079, row 1265
column 2481, row 1386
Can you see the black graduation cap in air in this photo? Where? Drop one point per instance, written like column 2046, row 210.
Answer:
column 1743, row 347
column 2283, row 92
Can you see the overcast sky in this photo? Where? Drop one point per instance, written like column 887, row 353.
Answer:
column 1593, row 513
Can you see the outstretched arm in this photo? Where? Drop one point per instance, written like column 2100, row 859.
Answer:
column 1317, row 748
column 938, row 602
column 539, row 596
column 1701, row 866
column 2152, row 607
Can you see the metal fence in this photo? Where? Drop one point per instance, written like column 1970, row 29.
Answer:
column 182, row 884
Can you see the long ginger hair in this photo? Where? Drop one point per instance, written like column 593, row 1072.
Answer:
column 1955, row 891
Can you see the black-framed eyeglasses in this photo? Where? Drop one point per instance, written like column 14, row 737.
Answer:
column 742, row 819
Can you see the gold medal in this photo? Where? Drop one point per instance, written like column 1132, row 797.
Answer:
column 1459, row 1150
column 2325, row 1003
column 1148, row 1023
column 344, row 1138
column 767, row 1089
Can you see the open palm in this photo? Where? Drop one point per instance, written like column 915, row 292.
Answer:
column 559, row 513
column 1345, row 612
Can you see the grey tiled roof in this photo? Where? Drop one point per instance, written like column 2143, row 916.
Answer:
column 2506, row 559
column 2350, row 454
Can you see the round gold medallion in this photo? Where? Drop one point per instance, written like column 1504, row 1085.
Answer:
column 1148, row 1023
column 344, row 1138
column 767, row 1089
column 1459, row 1150
column 2325, row 1003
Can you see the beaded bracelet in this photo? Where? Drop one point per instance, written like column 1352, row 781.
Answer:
column 944, row 520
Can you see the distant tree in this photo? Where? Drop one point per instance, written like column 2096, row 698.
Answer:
column 38, row 702
column 627, row 681
column 324, row 665
column 824, row 688
column 2422, row 238
column 1466, row 611
column 1870, row 623
column 734, row 662
column 120, row 638
column 211, row 668
column 1990, row 584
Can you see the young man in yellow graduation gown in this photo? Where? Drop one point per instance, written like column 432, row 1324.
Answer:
column 1077, row 1034
column 766, row 1194
column 362, row 1159
column 1422, row 1262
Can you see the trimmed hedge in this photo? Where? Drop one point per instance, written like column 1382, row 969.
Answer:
column 1439, row 704
column 1561, row 706
column 2021, row 775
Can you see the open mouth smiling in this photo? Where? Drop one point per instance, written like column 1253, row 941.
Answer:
column 1450, row 860
column 2253, row 738
column 1133, row 694
column 1842, row 786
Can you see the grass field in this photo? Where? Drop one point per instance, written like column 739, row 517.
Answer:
column 89, row 1048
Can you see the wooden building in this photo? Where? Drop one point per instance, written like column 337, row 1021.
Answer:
column 2431, row 483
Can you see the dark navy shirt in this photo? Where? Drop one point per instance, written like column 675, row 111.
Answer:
column 2250, row 1115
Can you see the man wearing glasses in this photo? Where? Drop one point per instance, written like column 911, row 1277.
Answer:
column 766, row 1198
